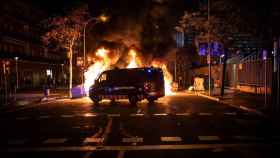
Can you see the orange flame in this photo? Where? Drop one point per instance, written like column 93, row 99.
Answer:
column 168, row 79
column 133, row 59
column 98, row 67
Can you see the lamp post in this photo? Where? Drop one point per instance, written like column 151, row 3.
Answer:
column 17, row 85
column 16, row 59
column 209, row 52
column 101, row 18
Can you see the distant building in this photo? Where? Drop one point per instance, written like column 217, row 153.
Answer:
column 20, row 37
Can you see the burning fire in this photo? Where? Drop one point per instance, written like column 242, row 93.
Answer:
column 167, row 77
column 133, row 59
column 95, row 69
column 104, row 62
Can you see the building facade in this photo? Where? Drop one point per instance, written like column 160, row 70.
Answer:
column 25, row 62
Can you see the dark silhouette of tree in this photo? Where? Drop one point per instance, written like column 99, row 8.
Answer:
column 64, row 32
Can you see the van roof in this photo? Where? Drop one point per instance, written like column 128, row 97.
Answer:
column 134, row 69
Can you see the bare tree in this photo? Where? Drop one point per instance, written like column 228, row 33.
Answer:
column 64, row 32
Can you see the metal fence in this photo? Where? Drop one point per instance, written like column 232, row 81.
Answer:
column 251, row 74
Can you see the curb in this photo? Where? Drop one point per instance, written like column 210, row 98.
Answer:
column 23, row 104
column 209, row 97
column 235, row 106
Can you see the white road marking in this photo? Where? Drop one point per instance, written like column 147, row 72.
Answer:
column 108, row 129
column 208, row 138
column 160, row 114
column 88, row 154
column 134, row 115
column 230, row 113
column 17, row 142
column 132, row 140
column 93, row 140
column 183, row 114
column 44, row 117
column 88, row 115
column 246, row 137
column 67, row 116
column 135, row 148
column 205, row 114
column 171, row 139
column 77, row 127
column 22, row 118
column 55, row 141
column 114, row 115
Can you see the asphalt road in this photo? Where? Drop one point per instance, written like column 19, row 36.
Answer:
column 181, row 125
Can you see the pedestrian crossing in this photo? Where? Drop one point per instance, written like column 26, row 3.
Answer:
column 161, row 140
column 90, row 115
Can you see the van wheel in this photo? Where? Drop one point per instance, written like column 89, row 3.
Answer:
column 133, row 100
column 95, row 99
column 151, row 99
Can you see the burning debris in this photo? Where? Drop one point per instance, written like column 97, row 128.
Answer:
column 104, row 62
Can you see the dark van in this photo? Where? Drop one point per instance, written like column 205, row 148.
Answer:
column 134, row 84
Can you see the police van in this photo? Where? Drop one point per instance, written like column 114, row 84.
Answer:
column 133, row 84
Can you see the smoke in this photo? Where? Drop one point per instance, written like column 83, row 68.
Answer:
column 126, row 31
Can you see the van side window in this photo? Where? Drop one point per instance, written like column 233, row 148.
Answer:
column 103, row 77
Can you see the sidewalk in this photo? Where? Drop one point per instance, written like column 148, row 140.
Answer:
column 30, row 97
column 246, row 101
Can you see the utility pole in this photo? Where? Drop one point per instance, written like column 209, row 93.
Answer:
column 209, row 52
column 5, row 82
column 16, row 58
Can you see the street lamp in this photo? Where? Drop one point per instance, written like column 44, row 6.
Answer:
column 209, row 53
column 16, row 58
column 102, row 18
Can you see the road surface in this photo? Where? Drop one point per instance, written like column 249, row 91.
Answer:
column 181, row 125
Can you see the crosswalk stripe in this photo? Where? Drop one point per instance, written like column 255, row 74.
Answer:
column 132, row 140
column 246, row 137
column 17, row 142
column 161, row 114
column 93, row 140
column 67, row 116
column 114, row 115
column 133, row 115
column 89, row 115
column 44, row 117
column 205, row 114
column 22, row 118
column 171, row 139
column 230, row 113
column 208, row 138
column 55, row 141
column 183, row 114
